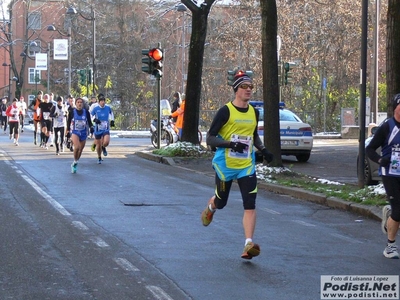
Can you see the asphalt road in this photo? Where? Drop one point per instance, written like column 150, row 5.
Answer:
column 130, row 229
column 333, row 159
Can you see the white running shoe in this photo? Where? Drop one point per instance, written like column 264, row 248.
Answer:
column 391, row 251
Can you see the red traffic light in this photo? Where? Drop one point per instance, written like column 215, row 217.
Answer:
column 156, row 54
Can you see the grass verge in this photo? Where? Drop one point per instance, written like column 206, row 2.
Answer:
column 370, row 195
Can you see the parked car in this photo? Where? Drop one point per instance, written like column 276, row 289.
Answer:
column 371, row 168
column 296, row 136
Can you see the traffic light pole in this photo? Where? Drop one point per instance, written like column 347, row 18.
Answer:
column 158, row 112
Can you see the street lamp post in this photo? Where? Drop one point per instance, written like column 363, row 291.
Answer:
column 182, row 8
column 9, row 79
column 69, row 60
column 48, row 68
column 72, row 11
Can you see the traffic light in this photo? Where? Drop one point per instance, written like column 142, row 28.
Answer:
column 231, row 77
column 157, row 56
column 82, row 77
column 146, row 61
column 288, row 74
column 280, row 78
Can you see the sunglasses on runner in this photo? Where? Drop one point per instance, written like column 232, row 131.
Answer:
column 246, row 86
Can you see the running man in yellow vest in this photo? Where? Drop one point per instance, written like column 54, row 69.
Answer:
column 234, row 133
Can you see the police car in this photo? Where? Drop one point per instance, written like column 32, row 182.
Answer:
column 296, row 136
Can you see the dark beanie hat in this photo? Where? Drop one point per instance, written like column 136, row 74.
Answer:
column 396, row 101
column 239, row 80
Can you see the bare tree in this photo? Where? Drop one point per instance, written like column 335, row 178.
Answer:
column 195, row 68
column 269, row 32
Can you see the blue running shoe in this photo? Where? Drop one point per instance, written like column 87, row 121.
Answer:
column 104, row 151
column 74, row 166
column 99, row 162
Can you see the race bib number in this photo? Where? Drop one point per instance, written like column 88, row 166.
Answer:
column 80, row 125
column 394, row 167
column 103, row 125
column 245, row 140
column 46, row 115
column 3, row 113
column 60, row 119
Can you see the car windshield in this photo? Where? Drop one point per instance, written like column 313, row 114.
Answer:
column 284, row 115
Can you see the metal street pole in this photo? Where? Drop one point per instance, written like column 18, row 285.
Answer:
column 48, row 68
column 159, row 112
column 94, row 51
column 363, row 92
column 159, row 108
column 9, row 84
column 69, row 60
column 374, row 104
column 183, row 53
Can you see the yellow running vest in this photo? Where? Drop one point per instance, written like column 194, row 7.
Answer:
column 239, row 128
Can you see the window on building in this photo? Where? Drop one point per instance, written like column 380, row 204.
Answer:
column 34, row 74
column 35, row 20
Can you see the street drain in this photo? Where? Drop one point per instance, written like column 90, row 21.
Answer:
column 146, row 204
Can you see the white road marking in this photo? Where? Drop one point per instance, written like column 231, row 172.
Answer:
column 271, row 211
column 126, row 264
column 49, row 199
column 99, row 242
column 80, row 225
column 158, row 292
column 304, row 223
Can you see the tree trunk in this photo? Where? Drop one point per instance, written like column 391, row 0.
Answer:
column 195, row 69
column 392, row 52
column 269, row 33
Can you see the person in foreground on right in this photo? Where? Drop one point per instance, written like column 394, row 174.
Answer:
column 387, row 136
column 234, row 133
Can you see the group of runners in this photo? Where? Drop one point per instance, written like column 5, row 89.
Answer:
column 57, row 123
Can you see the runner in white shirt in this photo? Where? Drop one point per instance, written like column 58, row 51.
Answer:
column 59, row 113
column 22, row 107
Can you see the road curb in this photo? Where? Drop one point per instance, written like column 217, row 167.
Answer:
column 371, row 212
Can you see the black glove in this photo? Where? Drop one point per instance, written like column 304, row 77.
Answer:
column 97, row 121
column 170, row 117
column 91, row 130
column 268, row 156
column 237, row 146
column 385, row 161
column 68, row 135
column 112, row 124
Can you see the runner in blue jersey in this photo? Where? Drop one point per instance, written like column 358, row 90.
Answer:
column 103, row 119
column 79, row 124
